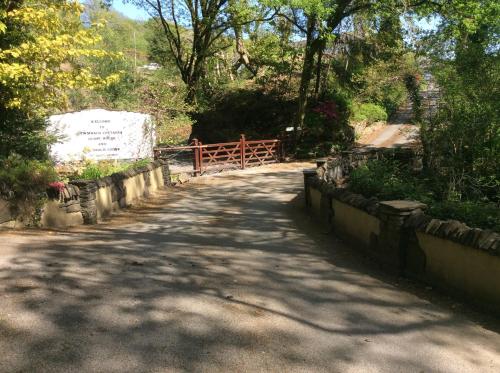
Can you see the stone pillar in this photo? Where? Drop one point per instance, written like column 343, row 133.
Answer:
column 309, row 174
column 88, row 191
column 334, row 171
column 391, row 247
column 5, row 211
column 166, row 172
column 321, row 161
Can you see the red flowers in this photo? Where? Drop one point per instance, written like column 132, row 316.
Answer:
column 328, row 109
column 57, row 185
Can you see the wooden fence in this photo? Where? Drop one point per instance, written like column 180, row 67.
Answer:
column 213, row 157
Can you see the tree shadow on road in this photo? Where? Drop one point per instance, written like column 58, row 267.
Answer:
column 214, row 278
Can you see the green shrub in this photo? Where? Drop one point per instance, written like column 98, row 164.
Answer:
column 22, row 178
column 473, row 213
column 368, row 112
column 24, row 182
column 389, row 180
column 105, row 168
column 22, row 134
column 96, row 171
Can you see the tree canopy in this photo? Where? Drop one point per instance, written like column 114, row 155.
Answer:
column 41, row 54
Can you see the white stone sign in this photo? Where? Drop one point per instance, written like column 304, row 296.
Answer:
column 99, row 134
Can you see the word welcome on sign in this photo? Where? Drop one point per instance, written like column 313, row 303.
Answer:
column 99, row 134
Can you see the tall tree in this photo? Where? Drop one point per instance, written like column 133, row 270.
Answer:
column 318, row 20
column 193, row 29
column 461, row 140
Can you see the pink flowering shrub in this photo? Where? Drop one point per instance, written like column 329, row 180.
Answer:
column 57, row 186
column 328, row 109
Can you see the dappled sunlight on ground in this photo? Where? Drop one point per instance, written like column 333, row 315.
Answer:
column 218, row 277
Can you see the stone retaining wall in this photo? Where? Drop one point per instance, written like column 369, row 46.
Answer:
column 63, row 208
column 337, row 168
column 89, row 201
column 404, row 240
column 99, row 198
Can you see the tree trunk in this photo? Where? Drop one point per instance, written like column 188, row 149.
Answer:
column 244, row 58
column 318, row 68
column 307, row 72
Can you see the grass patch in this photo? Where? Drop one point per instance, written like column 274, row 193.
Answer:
column 368, row 112
column 97, row 170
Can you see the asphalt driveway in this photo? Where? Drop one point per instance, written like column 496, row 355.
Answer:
column 231, row 276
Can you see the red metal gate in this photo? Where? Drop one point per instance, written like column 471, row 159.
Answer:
column 214, row 157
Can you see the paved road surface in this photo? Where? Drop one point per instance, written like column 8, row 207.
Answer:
column 398, row 132
column 226, row 277
column 390, row 135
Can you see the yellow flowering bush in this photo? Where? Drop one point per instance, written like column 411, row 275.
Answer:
column 48, row 59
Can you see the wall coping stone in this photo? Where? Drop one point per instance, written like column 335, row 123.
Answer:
column 456, row 231
column 453, row 230
column 309, row 171
column 369, row 205
column 401, row 206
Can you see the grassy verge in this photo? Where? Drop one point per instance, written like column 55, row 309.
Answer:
column 97, row 170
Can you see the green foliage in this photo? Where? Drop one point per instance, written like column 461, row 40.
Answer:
column 166, row 102
column 122, row 36
column 97, row 170
column 23, row 179
column 462, row 141
column 368, row 112
column 40, row 63
column 101, row 169
column 474, row 213
column 24, row 182
column 413, row 86
column 389, row 180
column 22, row 135
column 157, row 45
column 277, row 60
column 383, row 82
column 247, row 110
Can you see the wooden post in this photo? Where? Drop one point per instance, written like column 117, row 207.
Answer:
column 196, row 157
column 200, row 154
column 242, row 151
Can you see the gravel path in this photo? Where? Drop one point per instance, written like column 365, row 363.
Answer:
column 398, row 132
column 230, row 276
column 390, row 136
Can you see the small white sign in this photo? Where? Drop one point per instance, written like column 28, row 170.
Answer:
column 99, row 134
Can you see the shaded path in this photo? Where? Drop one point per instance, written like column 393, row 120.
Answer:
column 399, row 131
column 230, row 276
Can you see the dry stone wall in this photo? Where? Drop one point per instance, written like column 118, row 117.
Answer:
column 99, row 198
column 88, row 201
